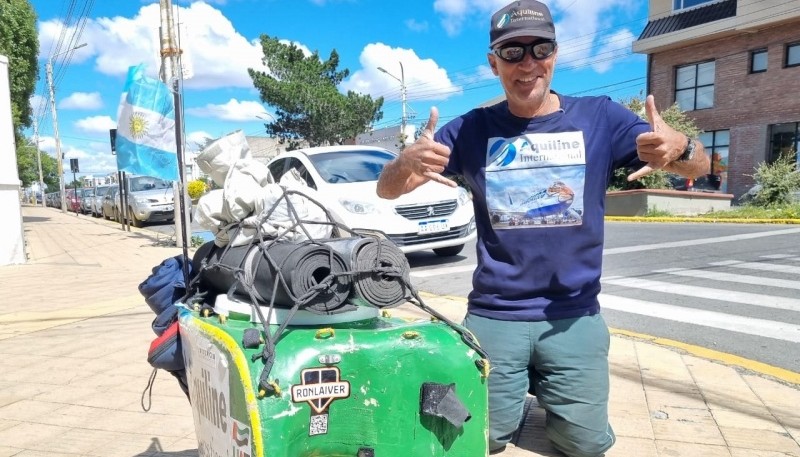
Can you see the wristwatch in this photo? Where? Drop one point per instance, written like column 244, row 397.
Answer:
column 688, row 153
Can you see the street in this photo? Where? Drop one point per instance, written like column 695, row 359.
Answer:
column 728, row 287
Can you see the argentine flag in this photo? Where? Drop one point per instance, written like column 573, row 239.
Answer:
column 146, row 128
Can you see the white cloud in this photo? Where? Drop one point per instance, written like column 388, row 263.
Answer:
column 96, row 124
column 424, row 78
column 38, row 103
column 195, row 140
column 233, row 110
column 306, row 51
column 220, row 56
column 82, row 100
column 586, row 34
column 416, row 26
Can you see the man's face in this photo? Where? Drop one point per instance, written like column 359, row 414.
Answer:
column 526, row 83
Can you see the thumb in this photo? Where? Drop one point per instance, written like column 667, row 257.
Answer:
column 430, row 127
column 642, row 172
column 651, row 112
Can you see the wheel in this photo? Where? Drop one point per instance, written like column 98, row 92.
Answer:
column 448, row 251
column 134, row 220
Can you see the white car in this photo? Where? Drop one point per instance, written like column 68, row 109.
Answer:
column 434, row 216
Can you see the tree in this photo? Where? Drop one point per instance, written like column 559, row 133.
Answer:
column 28, row 166
column 659, row 179
column 309, row 106
column 19, row 41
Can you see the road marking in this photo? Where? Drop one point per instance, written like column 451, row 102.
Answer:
column 730, row 277
column 442, row 271
column 745, row 298
column 678, row 244
column 748, row 325
column 758, row 266
column 780, row 256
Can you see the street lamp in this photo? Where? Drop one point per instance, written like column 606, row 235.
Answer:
column 59, row 157
column 402, row 81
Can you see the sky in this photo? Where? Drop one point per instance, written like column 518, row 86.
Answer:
column 441, row 46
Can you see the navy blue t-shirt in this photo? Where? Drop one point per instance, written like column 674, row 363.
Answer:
column 539, row 190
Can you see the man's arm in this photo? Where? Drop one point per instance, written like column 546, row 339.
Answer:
column 417, row 164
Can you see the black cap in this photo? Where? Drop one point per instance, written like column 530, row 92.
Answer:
column 521, row 18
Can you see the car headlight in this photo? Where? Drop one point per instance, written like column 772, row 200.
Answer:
column 463, row 196
column 358, row 207
column 141, row 200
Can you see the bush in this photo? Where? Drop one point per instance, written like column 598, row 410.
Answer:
column 775, row 182
column 196, row 189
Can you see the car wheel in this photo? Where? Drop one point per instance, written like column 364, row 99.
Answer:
column 449, row 251
column 135, row 220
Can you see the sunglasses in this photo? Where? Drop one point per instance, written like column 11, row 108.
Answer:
column 515, row 52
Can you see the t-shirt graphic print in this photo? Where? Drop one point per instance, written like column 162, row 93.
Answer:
column 536, row 180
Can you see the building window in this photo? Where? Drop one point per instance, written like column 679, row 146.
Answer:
column 758, row 61
column 784, row 140
column 717, row 145
column 683, row 4
column 694, row 86
column 793, row 55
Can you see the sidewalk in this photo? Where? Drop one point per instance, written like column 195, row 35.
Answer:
column 74, row 334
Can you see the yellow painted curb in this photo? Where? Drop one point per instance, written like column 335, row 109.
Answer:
column 722, row 357
column 700, row 220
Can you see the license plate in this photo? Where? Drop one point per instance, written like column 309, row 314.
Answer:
column 433, row 226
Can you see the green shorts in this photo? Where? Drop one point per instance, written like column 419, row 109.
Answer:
column 565, row 364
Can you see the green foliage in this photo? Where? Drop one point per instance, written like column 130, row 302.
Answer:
column 20, row 42
column 28, row 166
column 659, row 179
column 776, row 181
column 196, row 188
column 196, row 241
column 788, row 211
column 309, row 107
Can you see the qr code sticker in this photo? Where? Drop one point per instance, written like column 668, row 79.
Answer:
column 318, row 425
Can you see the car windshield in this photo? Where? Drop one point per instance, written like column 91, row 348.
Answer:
column 88, row 192
column 351, row 166
column 101, row 191
column 141, row 183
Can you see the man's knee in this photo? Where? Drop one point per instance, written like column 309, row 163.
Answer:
column 581, row 442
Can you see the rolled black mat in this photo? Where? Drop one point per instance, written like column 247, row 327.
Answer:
column 381, row 273
column 313, row 274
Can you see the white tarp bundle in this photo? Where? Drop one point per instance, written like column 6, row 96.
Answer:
column 236, row 212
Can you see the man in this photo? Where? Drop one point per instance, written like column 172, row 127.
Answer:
column 538, row 165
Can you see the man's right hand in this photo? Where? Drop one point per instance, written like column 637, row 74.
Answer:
column 418, row 163
column 425, row 157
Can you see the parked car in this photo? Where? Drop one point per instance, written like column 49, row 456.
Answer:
column 109, row 208
column 87, row 197
column 433, row 216
column 149, row 200
column 96, row 208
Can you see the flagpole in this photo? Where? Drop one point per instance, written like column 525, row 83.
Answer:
column 170, row 71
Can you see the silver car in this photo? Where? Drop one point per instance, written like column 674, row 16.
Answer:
column 96, row 207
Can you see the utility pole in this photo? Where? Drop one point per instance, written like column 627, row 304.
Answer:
column 59, row 155
column 171, row 75
column 38, row 158
column 402, row 81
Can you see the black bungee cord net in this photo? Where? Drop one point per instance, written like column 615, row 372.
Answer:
column 245, row 282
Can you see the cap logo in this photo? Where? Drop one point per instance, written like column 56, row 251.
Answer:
column 503, row 21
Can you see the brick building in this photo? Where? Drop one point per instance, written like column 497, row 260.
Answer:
column 734, row 67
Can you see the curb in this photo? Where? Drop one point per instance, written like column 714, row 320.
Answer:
column 700, row 220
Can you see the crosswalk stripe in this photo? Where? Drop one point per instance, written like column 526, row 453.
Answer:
column 780, row 256
column 758, row 266
column 730, row 277
column 748, row 325
column 718, row 239
column 766, row 301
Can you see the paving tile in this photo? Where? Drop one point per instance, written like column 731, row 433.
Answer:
column 680, row 449
column 632, row 426
column 738, row 452
column 671, row 430
column 753, row 420
column 629, row 446
column 31, row 436
column 763, row 440
column 6, row 451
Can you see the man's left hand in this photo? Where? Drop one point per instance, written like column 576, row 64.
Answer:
column 657, row 148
